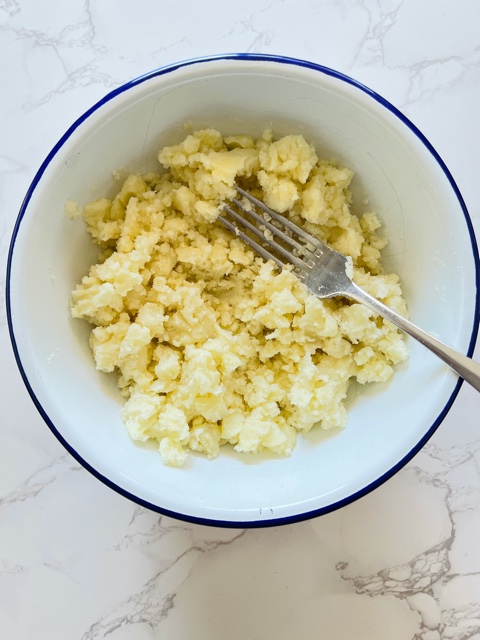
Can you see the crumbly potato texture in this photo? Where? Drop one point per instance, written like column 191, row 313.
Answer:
column 212, row 344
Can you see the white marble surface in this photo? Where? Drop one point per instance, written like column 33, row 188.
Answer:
column 79, row 561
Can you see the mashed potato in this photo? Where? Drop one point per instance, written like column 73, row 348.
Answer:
column 212, row 344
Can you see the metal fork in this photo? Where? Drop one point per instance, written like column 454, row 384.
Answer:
column 325, row 272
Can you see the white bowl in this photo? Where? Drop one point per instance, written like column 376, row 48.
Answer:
column 432, row 247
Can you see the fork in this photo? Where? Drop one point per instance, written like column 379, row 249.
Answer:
column 325, row 272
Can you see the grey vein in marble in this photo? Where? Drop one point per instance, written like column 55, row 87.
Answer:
column 153, row 602
column 39, row 480
column 419, row 581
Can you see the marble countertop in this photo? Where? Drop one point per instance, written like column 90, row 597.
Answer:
column 79, row 561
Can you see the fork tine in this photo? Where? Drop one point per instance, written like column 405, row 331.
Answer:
column 258, row 247
column 270, row 242
column 271, row 227
column 282, row 219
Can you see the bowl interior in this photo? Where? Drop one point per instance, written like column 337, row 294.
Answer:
column 430, row 247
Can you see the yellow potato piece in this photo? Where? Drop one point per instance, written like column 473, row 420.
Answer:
column 213, row 345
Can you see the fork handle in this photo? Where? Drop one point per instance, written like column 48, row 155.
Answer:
column 464, row 366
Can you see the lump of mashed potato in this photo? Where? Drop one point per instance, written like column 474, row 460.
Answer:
column 212, row 344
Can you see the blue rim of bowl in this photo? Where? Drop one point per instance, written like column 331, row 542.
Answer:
column 259, row 58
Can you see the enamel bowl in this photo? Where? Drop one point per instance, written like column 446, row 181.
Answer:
column 432, row 247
